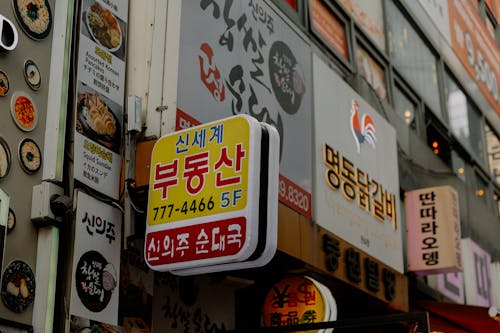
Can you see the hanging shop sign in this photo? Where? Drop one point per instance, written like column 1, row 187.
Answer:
column 298, row 300
column 213, row 196
column 476, row 49
column 495, row 286
column 450, row 285
column 433, row 230
column 357, row 188
column 96, row 261
column 477, row 274
column 248, row 60
column 100, row 94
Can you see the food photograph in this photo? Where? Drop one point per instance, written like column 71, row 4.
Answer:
column 5, row 158
column 34, row 17
column 18, row 286
column 104, row 28
column 30, row 156
column 97, row 118
column 23, row 111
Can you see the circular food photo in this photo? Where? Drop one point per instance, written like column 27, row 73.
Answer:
column 32, row 74
column 103, row 27
column 30, row 156
column 34, row 17
column 4, row 84
column 96, row 120
column 5, row 158
column 18, row 286
column 23, row 111
column 11, row 221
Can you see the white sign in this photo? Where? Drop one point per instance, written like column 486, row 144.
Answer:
column 248, row 60
column 100, row 94
column 96, row 260
column 8, row 34
column 495, row 286
column 357, row 183
column 433, row 230
column 450, row 285
column 477, row 274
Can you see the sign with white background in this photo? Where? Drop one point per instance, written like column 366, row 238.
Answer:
column 477, row 274
column 357, row 186
column 96, row 260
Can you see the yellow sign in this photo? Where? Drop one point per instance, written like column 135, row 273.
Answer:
column 200, row 171
column 293, row 301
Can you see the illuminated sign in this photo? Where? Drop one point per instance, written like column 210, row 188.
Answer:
column 298, row 300
column 8, row 34
column 207, row 194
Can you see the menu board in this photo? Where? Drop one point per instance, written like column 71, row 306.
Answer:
column 100, row 95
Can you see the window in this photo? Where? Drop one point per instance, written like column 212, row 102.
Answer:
column 496, row 197
column 372, row 71
column 292, row 4
column 438, row 142
column 412, row 57
column 464, row 118
column 329, row 28
column 493, row 152
column 476, row 132
column 405, row 107
column 369, row 15
column 458, row 165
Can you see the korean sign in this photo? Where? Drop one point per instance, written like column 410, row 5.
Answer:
column 96, row 261
column 100, row 94
column 475, row 48
column 298, row 300
column 357, row 193
column 247, row 60
column 477, row 274
column 433, row 230
column 205, row 187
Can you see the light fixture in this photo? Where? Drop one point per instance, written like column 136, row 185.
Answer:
column 460, row 170
column 479, row 192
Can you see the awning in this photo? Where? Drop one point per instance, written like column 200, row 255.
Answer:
column 458, row 318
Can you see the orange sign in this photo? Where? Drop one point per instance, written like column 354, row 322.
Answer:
column 475, row 48
column 293, row 301
column 329, row 27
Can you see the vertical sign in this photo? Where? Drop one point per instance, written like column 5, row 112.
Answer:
column 477, row 274
column 100, row 94
column 96, row 261
column 247, row 60
column 495, row 276
column 203, row 205
column 475, row 48
column 449, row 284
column 433, row 230
column 357, row 188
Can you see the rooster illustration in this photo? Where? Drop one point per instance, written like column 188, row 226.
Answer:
column 364, row 131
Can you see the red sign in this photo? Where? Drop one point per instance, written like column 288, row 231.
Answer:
column 475, row 48
column 195, row 242
column 329, row 27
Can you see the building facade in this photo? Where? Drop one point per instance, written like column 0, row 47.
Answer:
column 387, row 113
